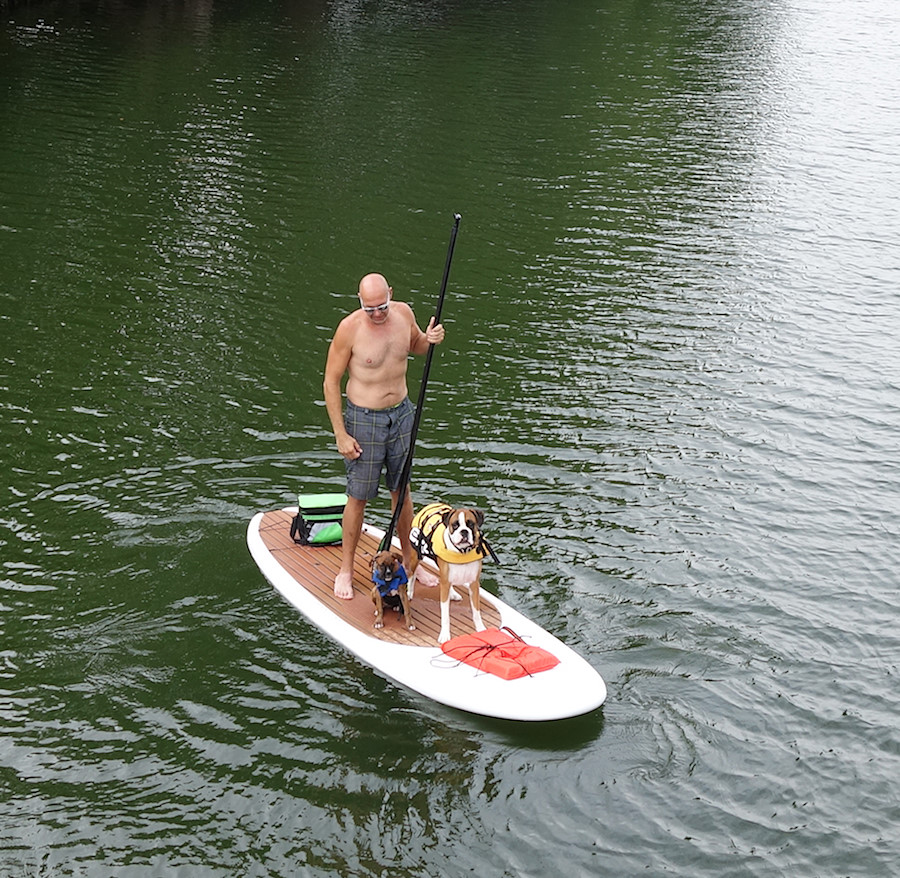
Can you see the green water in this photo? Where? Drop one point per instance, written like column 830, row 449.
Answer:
column 669, row 379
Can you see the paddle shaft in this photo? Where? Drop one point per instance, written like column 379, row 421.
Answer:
column 407, row 464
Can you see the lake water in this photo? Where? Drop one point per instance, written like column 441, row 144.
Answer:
column 670, row 379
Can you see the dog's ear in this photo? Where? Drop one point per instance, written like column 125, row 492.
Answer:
column 479, row 517
column 447, row 517
column 397, row 557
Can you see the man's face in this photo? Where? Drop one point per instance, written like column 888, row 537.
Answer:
column 376, row 305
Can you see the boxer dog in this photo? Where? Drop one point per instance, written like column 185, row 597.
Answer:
column 452, row 539
column 390, row 588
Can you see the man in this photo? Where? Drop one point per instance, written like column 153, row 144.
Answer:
column 371, row 346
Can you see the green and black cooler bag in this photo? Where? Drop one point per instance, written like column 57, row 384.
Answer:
column 318, row 519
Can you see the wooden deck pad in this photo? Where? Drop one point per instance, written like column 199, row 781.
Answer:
column 315, row 568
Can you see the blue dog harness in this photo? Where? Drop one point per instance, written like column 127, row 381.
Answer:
column 387, row 587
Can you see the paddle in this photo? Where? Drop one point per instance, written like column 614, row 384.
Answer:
column 407, row 464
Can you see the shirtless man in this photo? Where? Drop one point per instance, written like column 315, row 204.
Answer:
column 371, row 346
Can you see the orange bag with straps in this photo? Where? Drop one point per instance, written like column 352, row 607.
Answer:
column 500, row 652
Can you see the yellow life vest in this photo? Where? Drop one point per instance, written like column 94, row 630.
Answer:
column 427, row 536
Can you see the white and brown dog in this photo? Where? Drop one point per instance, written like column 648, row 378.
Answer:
column 390, row 588
column 452, row 539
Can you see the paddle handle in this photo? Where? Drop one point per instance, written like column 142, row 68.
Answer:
column 440, row 303
column 407, row 464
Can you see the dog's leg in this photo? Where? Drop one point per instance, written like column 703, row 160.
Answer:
column 379, row 608
column 444, row 636
column 411, row 577
column 475, row 600
column 407, row 615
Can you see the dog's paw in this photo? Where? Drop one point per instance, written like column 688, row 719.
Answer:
column 378, row 624
column 454, row 595
column 411, row 627
column 443, row 637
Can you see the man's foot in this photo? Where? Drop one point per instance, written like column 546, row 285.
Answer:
column 343, row 586
column 425, row 577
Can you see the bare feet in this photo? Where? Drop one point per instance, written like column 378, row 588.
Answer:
column 425, row 577
column 343, row 586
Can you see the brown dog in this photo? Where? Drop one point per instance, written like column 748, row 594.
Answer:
column 390, row 588
column 452, row 539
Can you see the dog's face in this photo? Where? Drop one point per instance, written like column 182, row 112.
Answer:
column 462, row 529
column 385, row 565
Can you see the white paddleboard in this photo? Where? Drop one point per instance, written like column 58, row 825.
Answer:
column 304, row 575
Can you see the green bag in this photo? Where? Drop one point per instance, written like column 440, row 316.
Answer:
column 318, row 519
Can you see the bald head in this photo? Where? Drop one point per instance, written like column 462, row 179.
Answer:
column 374, row 287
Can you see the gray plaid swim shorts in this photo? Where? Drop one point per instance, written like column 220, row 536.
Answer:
column 383, row 435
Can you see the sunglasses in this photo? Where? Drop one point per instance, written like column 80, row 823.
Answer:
column 378, row 309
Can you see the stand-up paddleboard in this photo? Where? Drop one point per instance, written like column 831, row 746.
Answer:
column 304, row 575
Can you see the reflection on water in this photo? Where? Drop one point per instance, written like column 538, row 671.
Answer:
column 668, row 381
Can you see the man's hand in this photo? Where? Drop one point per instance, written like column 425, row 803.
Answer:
column 348, row 447
column 434, row 334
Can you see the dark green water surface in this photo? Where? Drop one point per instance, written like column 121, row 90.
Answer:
column 670, row 379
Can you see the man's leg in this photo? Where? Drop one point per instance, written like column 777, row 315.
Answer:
column 404, row 525
column 351, row 528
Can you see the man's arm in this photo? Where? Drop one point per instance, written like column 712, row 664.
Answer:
column 419, row 341
column 335, row 367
